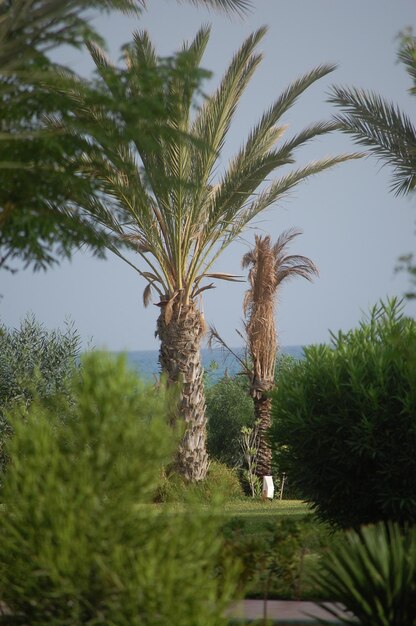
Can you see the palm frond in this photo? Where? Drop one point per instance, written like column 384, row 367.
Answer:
column 381, row 126
column 241, row 7
column 407, row 55
column 215, row 338
column 285, row 101
column 215, row 117
column 227, row 230
column 245, row 173
column 30, row 27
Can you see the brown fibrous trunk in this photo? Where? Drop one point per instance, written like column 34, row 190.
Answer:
column 180, row 331
column 262, row 414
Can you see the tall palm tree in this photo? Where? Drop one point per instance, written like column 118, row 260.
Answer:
column 270, row 267
column 163, row 194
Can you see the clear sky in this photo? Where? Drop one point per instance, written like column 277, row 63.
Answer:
column 353, row 227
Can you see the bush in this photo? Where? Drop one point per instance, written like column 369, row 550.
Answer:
column 221, row 484
column 32, row 357
column 80, row 542
column 272, row 558
column 284, row 362
column 373, row 574
column 33, row 360
column 229, row 408
column 345, row 422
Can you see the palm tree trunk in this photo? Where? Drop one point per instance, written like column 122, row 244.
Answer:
column 262, row 413
column 180, row 332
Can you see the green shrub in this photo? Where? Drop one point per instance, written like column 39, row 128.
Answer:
column 345, row 422
column 33, row 357
column 80, row 542
column 373, row 574
column 284, row 362
column 222, row 481
column 33, row 360
column 229, row 408
column 221, row 484
column 272, row 558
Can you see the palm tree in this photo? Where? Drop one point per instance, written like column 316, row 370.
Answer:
column 162, row 192
column 270, row 267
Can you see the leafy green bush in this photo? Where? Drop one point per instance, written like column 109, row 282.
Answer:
column 345, row 422
column 33, row 360
column 373, row 574
column 221, row 484
column 229, row 408
column 81, row 543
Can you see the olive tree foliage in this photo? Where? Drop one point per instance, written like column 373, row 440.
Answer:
column 40, row 191
column 80, row 542
column 345, row 422
column 34, row 361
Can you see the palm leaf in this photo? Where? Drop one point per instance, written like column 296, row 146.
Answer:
column 28, row 27
column 239, row 6
column 382, row 127
column 407, row 55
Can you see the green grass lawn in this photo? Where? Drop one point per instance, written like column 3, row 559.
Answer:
column 267, row 509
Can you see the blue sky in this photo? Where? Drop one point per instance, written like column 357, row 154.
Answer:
column 353, row 227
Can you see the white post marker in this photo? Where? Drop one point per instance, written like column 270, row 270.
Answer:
column 268, row 487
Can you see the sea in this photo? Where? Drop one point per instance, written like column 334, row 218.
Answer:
column 216, row 361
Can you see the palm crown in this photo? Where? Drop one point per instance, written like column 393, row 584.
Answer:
column 167, row 200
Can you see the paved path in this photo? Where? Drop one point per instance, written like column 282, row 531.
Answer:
column 283, row 612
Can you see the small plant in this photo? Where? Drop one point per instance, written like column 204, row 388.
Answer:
column 345, row 422
column 373, row 574
column 249, row 445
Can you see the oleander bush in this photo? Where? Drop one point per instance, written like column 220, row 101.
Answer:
column 345, row 422
column 373, row 574
column 81, row 542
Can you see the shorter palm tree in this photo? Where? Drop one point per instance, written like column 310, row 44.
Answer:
column 270, row 267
